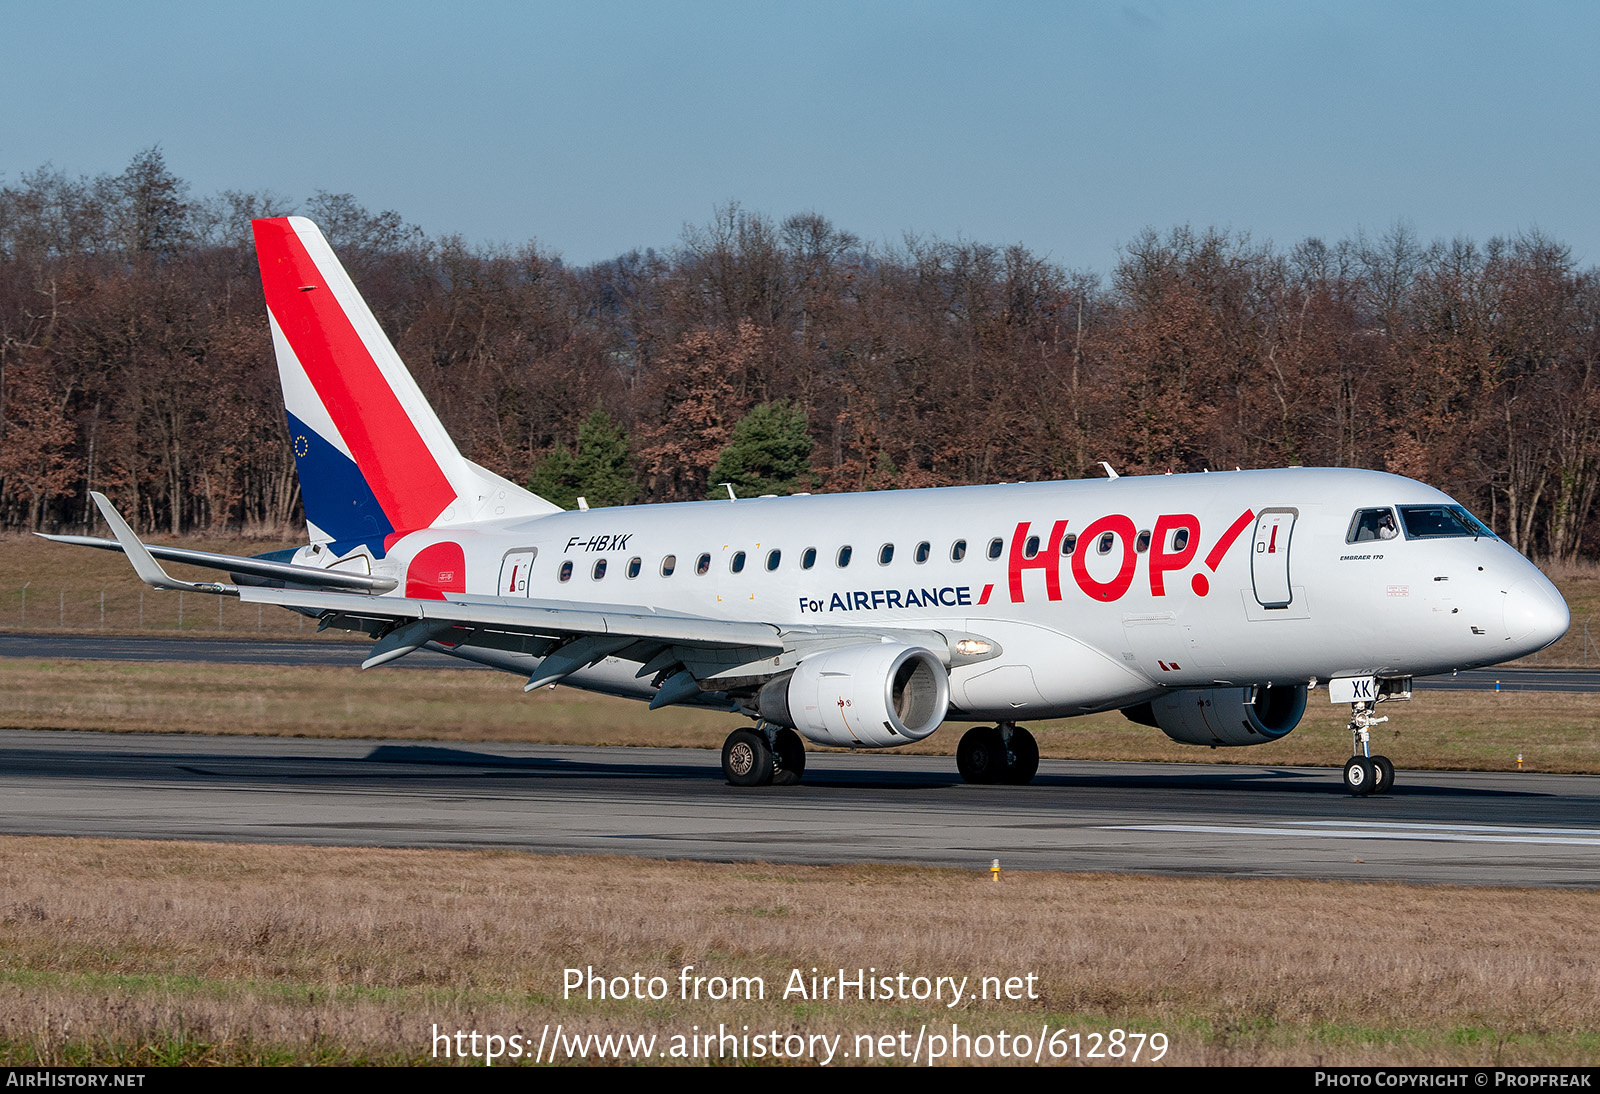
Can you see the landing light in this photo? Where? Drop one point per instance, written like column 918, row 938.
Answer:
column 972, row 647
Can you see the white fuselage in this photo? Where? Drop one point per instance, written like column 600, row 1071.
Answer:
column 1287, row 600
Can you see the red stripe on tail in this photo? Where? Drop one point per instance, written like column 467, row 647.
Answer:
column 392, row 456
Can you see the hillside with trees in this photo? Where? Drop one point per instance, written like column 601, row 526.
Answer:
column 790, row 355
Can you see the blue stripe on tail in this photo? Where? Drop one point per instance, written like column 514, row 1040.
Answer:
column 336, row 495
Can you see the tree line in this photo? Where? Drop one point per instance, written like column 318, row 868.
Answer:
column 791, row 355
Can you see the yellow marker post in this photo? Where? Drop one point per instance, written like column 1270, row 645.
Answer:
column 1519, row 761
column 994, row 870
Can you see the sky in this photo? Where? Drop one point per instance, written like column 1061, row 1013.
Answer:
column 1067, row 127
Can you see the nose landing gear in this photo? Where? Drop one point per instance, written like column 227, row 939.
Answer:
column 1364, row 773
column 1004, row 753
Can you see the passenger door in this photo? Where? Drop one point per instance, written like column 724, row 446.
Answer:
column 1269, row 557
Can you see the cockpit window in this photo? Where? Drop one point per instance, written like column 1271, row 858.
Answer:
column 1372, row 524
column 1441, row 522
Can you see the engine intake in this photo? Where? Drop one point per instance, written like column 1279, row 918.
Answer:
column 1224, row 716
column 868, row 696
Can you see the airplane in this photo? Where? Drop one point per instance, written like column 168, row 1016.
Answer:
column 1205, row 605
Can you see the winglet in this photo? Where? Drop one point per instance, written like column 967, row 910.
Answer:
column 144, row 563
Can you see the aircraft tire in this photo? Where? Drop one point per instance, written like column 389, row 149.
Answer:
column 746, row 759
column 980, row 757
column 1383, row 771
column 1359, row 776
column 1024, row 764
column 789, row 758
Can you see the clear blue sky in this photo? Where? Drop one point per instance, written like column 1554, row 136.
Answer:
column 1069, row 127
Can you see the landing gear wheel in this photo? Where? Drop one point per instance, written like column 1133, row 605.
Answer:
column 788, row 758
column 981, row 755
column 1024, row 757
column 1384, row 772
column 746, row 758
column 1360, row 776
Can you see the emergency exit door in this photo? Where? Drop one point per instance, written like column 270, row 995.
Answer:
column 1269, row 557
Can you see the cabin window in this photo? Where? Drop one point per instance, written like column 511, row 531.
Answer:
column 808, row 558
column 702, row 565
column 886, row 554
column 1069, row 544
column 1142, row 543
column 958, row 550
column 634, row 566
column 773, row 558
column 599, row 569
column 1030, row 548
column 996, row 545
column 668, row 564
column 1107, row 541
column 1180, row 539
column 924, row 549
column 566, row 570
column 1369, row 525
column 844, row 557
column 736, row 564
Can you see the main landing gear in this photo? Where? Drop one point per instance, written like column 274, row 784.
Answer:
column 1364, row 773
column 763, row 756
column 1005, row 753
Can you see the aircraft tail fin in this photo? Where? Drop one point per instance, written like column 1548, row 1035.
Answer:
column 372, row 456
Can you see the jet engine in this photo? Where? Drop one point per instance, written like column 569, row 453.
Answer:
column 862, row 696
column 1224, row 716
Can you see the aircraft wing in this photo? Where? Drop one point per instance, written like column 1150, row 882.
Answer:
column 236, row 565
column 717, row 654
column 687, row 655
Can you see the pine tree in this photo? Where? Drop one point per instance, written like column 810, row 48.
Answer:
column 601, row 470
column 769, row 452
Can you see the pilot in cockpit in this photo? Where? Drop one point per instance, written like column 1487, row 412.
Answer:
column 1375, row 524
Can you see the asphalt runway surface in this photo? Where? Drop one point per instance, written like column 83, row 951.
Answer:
column 1202, row 820
column 345, row 654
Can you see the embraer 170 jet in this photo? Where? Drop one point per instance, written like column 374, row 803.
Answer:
column 1203, row 605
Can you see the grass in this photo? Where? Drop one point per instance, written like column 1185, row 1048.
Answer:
column 144, row 953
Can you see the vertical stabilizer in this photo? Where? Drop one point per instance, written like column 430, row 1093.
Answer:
column 372, row 456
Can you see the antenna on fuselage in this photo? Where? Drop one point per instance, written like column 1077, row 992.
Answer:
column 583, row 504
column 729, row 485
column 1111, row 472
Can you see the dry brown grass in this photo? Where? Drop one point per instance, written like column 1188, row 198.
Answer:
column 1554, row 731
column 152, row 952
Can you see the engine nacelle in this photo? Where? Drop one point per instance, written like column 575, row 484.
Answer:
column 867, row 696
column 1224, row 716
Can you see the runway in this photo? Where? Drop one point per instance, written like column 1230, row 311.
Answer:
column 339, row 653
column 1211, row 820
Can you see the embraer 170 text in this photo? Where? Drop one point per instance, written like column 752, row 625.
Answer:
column 1204, row 605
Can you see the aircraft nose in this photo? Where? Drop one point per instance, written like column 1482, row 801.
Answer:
column 1535, row 614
